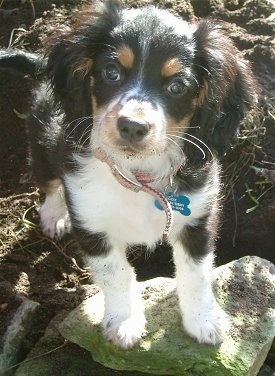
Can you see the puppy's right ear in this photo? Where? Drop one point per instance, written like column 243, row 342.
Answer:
column 70, row 56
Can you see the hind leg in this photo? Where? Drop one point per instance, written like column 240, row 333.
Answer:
column 54, row 216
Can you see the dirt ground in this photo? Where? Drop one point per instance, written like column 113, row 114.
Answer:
column 52, row 273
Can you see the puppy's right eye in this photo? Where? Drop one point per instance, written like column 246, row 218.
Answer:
column 111, row 73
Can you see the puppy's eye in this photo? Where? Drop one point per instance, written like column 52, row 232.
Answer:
column 176, row 87
column 111, row 73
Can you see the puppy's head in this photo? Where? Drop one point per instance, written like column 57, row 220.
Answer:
column 153, row 83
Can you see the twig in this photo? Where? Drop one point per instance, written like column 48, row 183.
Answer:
column 37, row 356
column 266, row 173
column 236, row 218
column 68, row 258
column 22, row 195
column 12, row 33
column 33, row 8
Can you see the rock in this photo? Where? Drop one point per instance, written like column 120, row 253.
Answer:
column 52, row 356
column 15, row 334
column 266, row 371
column 244, row 288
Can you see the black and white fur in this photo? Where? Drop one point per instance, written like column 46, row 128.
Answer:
column 156, row 94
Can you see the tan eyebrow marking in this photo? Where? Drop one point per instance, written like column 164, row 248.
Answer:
column 126, row 56
column 172, row 67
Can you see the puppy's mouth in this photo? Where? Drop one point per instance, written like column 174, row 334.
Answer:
column 136, row 176
column 135, row 150
column 144, row 177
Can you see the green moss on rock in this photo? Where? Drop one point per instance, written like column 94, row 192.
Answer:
column 244, row 288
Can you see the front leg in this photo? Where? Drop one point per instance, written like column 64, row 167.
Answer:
column 54, row 216
column 124, row 321
column 202, row 317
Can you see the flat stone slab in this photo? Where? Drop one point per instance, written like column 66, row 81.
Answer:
column 244, row 288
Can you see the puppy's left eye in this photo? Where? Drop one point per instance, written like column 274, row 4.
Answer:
column 111, row 73
column 176, row 87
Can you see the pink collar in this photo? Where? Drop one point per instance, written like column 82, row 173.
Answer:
column 142, row 179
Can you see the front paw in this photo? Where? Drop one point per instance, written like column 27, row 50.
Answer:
column 207, row 325
column 125, row 333
column 54, row 220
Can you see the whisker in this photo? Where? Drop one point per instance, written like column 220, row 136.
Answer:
column 203, row 143
column 180, row 127
column 80, row 118
column 79, row 145
column 40, row 120
column 191, row 142
column 175, row 143
column 195, row 79
column 196, row 138
column 201, row 66
column 78, row 122
column 84, row 138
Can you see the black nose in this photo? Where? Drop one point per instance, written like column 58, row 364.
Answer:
column 131, row 130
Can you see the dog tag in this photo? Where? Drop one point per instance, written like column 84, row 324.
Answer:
column 178, row 203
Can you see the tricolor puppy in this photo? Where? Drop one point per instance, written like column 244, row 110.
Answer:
column 125, row 133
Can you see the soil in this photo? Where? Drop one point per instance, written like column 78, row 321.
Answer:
column 51, row 272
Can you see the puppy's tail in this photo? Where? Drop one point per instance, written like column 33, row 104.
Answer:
column 22, row 62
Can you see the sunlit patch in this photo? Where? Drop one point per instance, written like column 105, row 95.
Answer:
column 172, row 67
column 142, row 111
column 126, row 56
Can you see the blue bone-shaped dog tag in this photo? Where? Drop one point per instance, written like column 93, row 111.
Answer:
column 178, row 203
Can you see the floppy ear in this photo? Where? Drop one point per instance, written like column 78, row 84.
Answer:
column 70, row 57
column 227, row 87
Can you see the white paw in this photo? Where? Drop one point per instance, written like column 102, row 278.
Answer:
column 125, row 333
column 208, row 325
column 54, row 218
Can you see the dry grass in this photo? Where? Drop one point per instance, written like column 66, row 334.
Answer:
column 247, row 151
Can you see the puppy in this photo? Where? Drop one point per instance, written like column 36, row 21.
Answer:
column 135, row 108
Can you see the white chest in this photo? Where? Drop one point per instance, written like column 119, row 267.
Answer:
column 101, row 204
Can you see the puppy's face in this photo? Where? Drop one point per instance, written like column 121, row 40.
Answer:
column 153, row 83
column 144, row 88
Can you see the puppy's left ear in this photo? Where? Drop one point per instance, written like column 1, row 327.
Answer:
column 227, row 84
